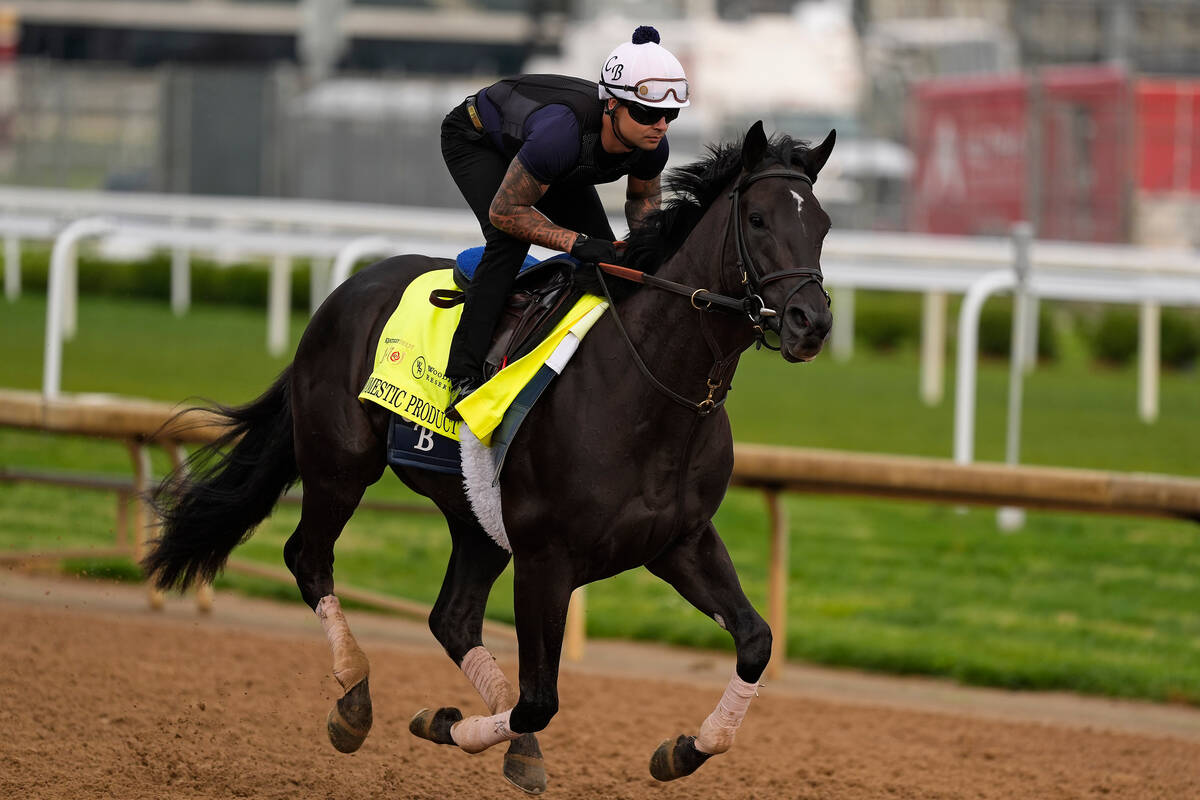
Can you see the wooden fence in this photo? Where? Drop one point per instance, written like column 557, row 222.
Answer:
column 773, row 470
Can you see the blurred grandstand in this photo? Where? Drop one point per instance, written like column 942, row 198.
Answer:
column 341, row 99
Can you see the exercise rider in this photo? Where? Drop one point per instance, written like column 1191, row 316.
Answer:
column 527, row 154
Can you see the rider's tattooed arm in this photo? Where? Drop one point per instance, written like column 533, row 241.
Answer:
column 641, row 198
column 512, row 211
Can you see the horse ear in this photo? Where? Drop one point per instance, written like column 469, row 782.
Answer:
column 754, row 146
column 812, row 160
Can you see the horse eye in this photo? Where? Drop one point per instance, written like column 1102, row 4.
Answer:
column 757, row 220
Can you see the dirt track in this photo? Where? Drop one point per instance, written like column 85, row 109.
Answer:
column 107, row 699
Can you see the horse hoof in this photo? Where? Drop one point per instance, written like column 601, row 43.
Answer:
column 523, row 765
column 676, row 759
column 434, row 725
column 349, row 721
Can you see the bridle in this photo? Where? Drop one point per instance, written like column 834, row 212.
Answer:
column 750, row 305
column 753, row 281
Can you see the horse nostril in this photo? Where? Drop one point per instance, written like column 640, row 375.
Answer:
column 799, row 317
column 825, row 324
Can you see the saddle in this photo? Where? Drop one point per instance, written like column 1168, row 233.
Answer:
column 544, row 291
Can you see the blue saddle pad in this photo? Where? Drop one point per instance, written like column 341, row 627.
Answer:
column 410, row 445
column 468, row 260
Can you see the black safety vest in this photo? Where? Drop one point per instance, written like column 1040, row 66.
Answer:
column 517, row 98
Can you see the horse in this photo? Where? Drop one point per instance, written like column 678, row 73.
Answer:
column 622, row 463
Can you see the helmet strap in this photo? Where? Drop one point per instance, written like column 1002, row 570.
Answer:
column 611, row 112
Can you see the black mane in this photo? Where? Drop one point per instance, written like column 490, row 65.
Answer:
column 693, row 188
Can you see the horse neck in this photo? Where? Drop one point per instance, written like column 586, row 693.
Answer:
column 669, row 332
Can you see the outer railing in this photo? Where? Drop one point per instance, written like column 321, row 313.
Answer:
column 932, row 265
column 772, row 470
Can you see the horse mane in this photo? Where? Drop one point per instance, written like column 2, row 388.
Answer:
column 693, row 188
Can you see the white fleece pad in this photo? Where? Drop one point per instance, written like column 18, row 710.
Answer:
column 478, row 468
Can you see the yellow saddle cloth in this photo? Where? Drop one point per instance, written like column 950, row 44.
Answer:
column 408, row 377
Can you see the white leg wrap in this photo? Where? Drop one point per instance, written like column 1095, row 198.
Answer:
column 350, row 664
column 717, row 732
column 476, row 734
column 481, row 669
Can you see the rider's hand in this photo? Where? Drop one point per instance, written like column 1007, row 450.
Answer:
column 593, row 251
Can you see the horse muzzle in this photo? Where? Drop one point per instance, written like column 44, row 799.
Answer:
column 803, row 331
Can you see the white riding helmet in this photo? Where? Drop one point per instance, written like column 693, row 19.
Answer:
column 643, row 71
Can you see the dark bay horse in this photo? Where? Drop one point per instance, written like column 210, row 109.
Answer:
column 622, row 463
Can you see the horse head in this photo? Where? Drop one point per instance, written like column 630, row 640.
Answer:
column 779, row 229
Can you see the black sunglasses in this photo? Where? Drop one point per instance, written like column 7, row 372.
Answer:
column 645, row 115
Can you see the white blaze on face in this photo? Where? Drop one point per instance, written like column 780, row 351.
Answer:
column 799, row 203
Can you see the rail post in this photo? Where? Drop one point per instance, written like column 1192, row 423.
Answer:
column 181, row 274
column 968, row 355
column 318, row 282
column 777, row 589
column 933, row 347
column 279, row 304
column 842, row 339
column 142, row 514
column 12, row 266
column 204, row 589
column 62, row 259
column 1011, row 518
column 1149, row 349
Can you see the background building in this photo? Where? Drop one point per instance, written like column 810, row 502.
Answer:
column 341, row 99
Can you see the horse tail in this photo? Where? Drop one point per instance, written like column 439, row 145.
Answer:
column 215, row 500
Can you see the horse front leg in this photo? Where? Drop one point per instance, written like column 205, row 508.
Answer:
column 699, row 568
column 457, row 623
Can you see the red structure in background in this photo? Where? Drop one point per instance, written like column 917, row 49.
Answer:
column 1054, row 149
column 969, row 144
column 9, row 36
column 1168, row 137
column 1082, row 138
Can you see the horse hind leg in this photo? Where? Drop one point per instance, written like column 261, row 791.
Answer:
column 541, row 597
column 309, row 555
column 524, row 766
column 349, row 721
column 711, row 585
column 523, row 763
column 457, row 623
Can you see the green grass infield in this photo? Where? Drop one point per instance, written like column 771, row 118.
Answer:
column 1095, row 604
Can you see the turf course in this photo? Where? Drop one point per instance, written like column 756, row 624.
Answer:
column 1096, row 604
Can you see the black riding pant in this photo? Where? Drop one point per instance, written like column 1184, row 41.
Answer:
column 478, row 169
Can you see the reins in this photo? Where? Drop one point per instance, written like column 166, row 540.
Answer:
column 697, row 296
column 716, row 375
column 704, row 300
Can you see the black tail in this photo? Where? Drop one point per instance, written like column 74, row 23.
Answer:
column 214, row 502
